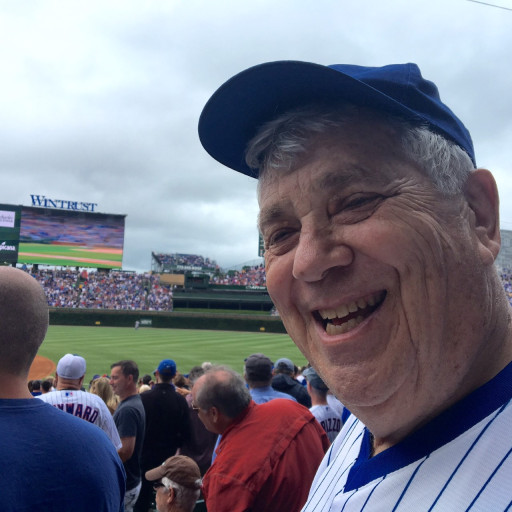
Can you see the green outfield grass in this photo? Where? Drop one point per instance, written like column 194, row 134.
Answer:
column 102, row 346
column 67, row 255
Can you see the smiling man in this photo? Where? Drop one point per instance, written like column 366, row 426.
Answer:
column 380, row 237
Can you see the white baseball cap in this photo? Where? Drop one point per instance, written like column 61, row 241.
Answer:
column 71, row 366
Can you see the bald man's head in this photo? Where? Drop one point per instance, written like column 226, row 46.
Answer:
column 23, row 320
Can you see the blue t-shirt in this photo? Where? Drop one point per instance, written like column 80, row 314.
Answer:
column 55, row 462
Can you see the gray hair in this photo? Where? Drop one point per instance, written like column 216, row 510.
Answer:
column 224, row 389
column 279, row 143
column 185, row 496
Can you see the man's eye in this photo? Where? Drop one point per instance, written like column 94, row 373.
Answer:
column 278, row 237
column 360, row 201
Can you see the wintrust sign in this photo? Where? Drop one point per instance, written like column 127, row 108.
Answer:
column 62, row 204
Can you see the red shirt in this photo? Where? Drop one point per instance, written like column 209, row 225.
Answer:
column 266, row 460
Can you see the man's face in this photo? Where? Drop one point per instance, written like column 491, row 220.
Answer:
column 161, row 499
column 205, row 415
column 119, row 382
column 369, row 267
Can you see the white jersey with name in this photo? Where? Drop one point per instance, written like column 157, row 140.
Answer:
column 329, row 419
column 459, row 461
column 88, row 406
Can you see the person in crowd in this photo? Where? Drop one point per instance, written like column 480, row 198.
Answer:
column 177, row 483
column 201, row 444
column 268, row 453
column 325, row 415
column 101, row 387
column 284, row 381
column 167, row 426
column 36, row 387
column 37, row 439
column 380, row 238
column 258, row 375
column 69, row 397
column 130, row 420
column 47, row 385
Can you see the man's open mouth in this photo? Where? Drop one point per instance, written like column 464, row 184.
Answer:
column 347, row 316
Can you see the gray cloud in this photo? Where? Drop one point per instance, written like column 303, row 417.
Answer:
column 100, row 101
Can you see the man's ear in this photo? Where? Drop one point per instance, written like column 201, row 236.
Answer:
column 482, row 196
column 171, row 495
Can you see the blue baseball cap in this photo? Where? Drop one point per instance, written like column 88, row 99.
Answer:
column 167, row 367
column 259, row 94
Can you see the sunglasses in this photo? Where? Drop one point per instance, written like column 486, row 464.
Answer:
column 157, row 485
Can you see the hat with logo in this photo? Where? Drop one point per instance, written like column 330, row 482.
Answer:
column 167, row 367
column 71, row 367
column 258, row 367
column 285, row 364
column 314, row 379
column 240, row 106
column 180, row 469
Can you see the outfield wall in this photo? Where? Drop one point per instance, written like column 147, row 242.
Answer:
column 169, row 320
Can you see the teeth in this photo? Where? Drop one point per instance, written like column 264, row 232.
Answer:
column 352, row 307
column 332, row 329
column 343, row 310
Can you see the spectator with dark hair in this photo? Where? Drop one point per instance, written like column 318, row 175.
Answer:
column 46, row 385
column 36, row 387
column 167, row 426
column 325, row 415
column 81, row 467
column 129, row 418
column 284, row 381
column 268, row 453
column 258, row 375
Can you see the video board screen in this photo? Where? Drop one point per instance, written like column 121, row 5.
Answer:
column 74, row 238
column 9, row 233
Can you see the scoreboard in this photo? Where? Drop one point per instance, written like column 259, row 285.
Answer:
column 60, row 237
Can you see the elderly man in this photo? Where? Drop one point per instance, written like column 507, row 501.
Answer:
column 177, row 483
column 268, row 453
column 380, row 237
column 70, row 398
column 81, row 468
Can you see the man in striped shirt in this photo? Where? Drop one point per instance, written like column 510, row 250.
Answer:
column 70, row 398
column 380, row 239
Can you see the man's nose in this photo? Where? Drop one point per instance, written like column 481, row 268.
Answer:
column 317, row 252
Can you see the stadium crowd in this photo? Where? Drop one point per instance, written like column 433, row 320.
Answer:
column 69, row 288
column 170, row 423
column 188, row 260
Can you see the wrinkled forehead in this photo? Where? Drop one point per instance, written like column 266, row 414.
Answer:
column 355, row 153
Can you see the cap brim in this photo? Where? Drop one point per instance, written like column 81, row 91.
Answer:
column 155, row 473
column 249, row 99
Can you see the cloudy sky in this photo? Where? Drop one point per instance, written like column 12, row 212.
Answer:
column 99, row 101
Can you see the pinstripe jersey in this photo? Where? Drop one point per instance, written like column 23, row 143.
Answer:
column 87, row 406
column 459, row 461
